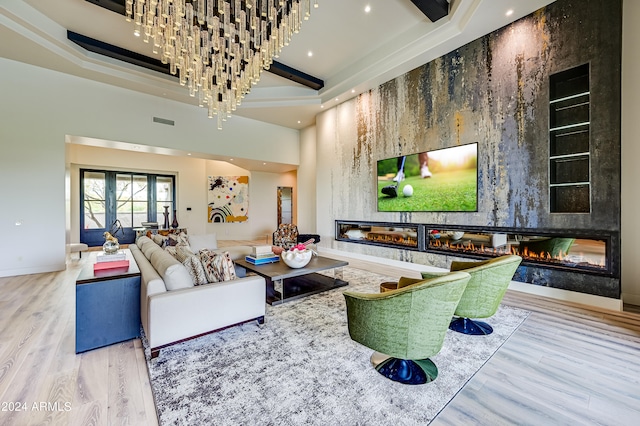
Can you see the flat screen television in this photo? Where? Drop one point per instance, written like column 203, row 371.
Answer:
column 443, row 180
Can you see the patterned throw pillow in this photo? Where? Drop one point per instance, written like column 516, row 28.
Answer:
column 195, row 269
column 183, row 252
column 177, row 240
column 172, row 251
column 217, row 267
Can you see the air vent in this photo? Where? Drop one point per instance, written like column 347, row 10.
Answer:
column 164, row 121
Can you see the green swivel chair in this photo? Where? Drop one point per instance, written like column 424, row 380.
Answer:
column 482, row 297
column 406, row 326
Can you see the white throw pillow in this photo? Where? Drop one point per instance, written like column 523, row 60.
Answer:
column 205, row 241
column 176, row 277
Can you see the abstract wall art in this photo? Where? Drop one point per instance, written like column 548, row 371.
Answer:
column 228, row 199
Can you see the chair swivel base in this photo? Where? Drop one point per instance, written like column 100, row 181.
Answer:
column 406, row 371
column 468, row 326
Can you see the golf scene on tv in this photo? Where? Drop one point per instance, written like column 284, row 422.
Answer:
column 443, row 180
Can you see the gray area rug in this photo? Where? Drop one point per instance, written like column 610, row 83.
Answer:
column 301, row 368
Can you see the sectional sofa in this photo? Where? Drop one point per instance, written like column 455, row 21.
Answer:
column 173, row 308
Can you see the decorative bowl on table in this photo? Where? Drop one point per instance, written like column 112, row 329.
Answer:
column 297, row 257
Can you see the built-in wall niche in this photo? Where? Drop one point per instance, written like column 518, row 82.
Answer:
column 569, row 148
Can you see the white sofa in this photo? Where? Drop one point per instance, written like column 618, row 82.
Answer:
column 172, row 309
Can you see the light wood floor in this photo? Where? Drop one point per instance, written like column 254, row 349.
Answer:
column 566, row 364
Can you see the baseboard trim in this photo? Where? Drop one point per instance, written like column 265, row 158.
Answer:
column 33, row 270
column 553, row 293
column 568, row 296
column 384, row 261
column 631, row 299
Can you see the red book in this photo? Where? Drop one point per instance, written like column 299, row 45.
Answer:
column 100, row 266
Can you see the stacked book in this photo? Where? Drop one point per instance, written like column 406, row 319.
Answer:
column 261, row 255
column 111, row 261
column 113, row 257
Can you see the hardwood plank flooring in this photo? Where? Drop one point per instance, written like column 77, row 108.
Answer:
column 566, row 364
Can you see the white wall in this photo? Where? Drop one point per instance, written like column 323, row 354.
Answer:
column 191, row 184
column 40, row 107
column 325, row 154
column 306, row 194
column 630, row 152
column 263, row 206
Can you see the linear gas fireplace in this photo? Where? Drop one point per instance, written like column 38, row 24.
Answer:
column 587, row 252
column 565, row 251
column 397, row 235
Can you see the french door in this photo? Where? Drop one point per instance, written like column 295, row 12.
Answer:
column 118, row 202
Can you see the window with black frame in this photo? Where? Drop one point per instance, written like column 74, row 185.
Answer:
column 123, row 201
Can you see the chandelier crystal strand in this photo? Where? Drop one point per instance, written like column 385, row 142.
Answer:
column 218, row 48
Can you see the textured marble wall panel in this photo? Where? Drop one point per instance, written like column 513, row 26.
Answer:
column 494, row 91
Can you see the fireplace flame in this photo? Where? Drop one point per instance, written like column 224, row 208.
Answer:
column 562, row 258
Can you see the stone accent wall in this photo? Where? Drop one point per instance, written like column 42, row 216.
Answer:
column 494, row 91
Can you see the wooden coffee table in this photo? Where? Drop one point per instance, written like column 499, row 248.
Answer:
column 285, row 283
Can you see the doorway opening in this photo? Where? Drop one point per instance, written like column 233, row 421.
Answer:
column 285, row 204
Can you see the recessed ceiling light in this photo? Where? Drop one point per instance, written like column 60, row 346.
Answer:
column 321, row 106
column 336, row 99
column 230, row 159
column 309, row 53
column 367, row 9
column 188, row 153
column 509, row 12
column 353, row 90
column 264, row 164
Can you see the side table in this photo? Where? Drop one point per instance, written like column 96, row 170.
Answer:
column 107, row 305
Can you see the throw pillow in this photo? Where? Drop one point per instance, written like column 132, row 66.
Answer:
column 172, row 251
column 195, row 269
column 159, row 239
column 182, row 253
column 183, row 239
column 217, row 267
column 177, row 240
column 176, row 277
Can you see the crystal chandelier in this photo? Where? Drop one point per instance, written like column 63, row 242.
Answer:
column 218, row 48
